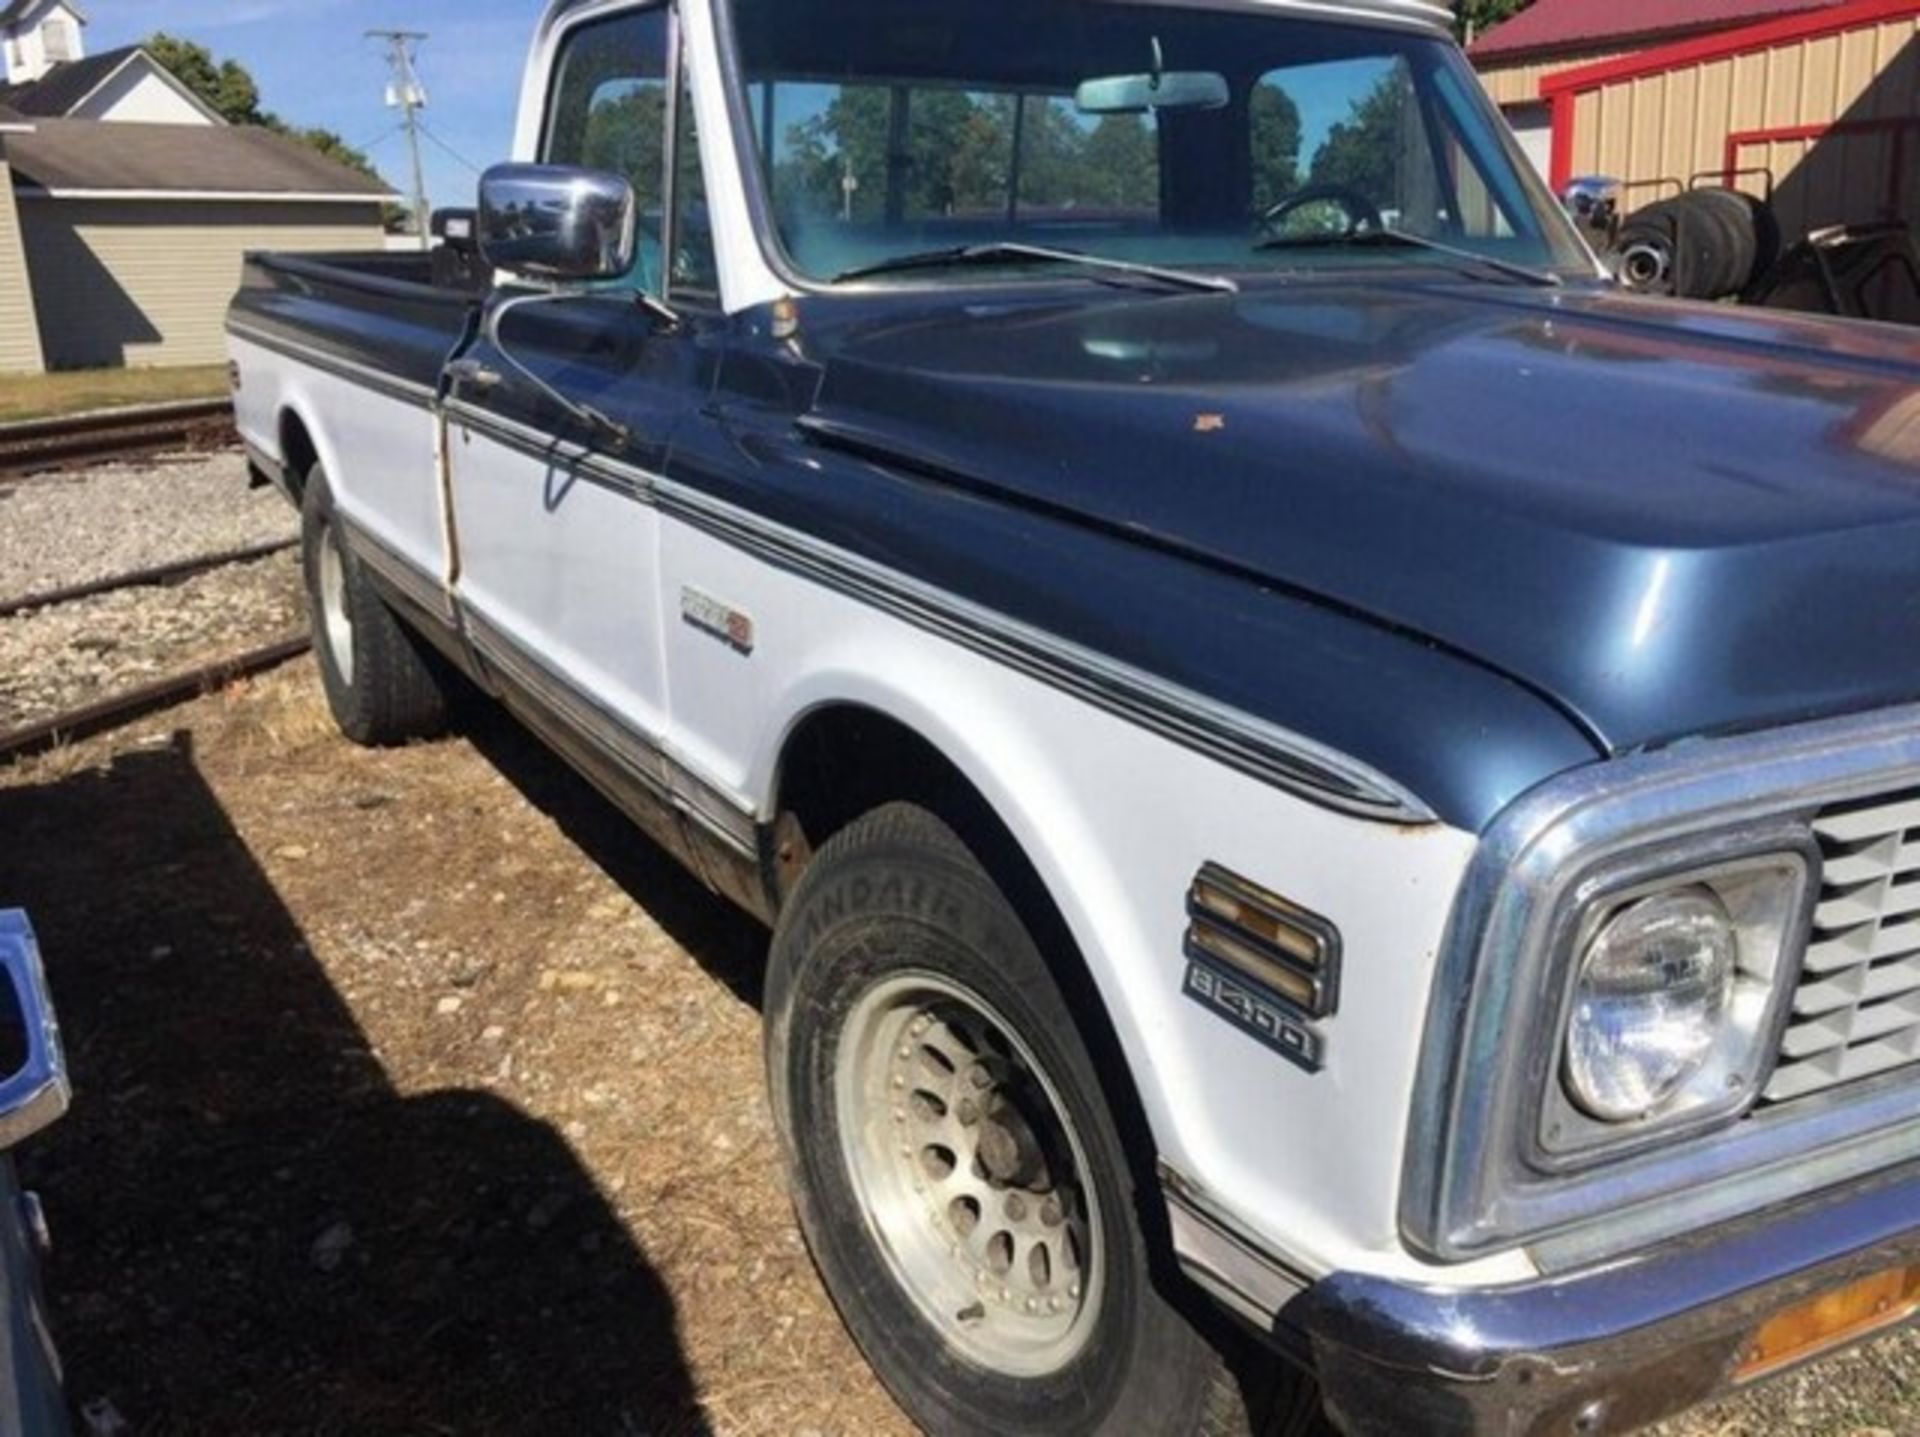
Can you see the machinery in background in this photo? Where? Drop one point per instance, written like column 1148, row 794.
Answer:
column 1713, row 242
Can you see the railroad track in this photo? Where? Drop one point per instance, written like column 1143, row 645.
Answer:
column 124, row 707
column 41, row 446
column 153, row 578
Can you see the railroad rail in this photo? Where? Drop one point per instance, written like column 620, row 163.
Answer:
column 123, row 708
column 156, row 577
column 40, row 446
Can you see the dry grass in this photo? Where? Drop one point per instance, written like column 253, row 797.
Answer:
column 45, row 396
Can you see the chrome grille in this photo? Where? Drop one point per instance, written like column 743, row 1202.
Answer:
column 1857, row 1010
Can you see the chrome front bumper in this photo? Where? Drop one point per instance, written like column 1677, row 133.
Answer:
column 1604, row 1350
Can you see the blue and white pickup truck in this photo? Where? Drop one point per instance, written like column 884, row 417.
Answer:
column 1334, row 797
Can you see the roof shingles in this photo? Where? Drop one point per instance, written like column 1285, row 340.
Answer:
column 1557, row 26
column 56, row 93
column 95, row 156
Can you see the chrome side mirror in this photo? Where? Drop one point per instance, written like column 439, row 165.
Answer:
column 557, row 224
column 1593, row 203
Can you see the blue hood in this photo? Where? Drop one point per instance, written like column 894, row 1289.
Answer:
column 1669, row 519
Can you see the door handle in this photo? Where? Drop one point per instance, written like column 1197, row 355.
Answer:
column 472, row 374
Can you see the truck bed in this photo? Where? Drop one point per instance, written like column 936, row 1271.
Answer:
column 397, row 316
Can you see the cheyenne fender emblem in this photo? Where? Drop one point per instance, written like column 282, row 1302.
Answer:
column 733, row 626
column 1266, row 965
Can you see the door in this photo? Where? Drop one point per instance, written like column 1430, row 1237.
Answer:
column 558, row 539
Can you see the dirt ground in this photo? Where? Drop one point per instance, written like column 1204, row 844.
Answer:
column 414, row 1094
column 417, row 1094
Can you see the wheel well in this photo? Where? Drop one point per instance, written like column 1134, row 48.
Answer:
column 846, row 761
column 298, row 453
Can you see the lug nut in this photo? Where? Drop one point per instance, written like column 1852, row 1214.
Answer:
column 1016, row 1208
column 980, row 1077
column 1050, row 1212
column 969, row 1112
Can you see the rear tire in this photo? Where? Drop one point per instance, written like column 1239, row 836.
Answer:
column 382, row 685
column 959, row 1177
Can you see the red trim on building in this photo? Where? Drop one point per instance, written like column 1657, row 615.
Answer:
column 1725, row 43
column 1898, row 127
column 1560, row 168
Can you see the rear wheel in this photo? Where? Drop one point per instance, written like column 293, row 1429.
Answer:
column 382, row 686
column 961, row 1180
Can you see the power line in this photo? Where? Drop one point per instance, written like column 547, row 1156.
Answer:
column 477, row 169
column 379, row 139
column 406, row 94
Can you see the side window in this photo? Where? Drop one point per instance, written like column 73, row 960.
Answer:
column 609, row 112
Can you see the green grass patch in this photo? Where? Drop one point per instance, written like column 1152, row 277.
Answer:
column 47, row 396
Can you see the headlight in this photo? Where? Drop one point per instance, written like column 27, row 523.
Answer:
column 1672, row 1009
column 1654, row 991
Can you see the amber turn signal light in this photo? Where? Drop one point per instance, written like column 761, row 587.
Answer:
column 1291, row 953
column 1820, row 1323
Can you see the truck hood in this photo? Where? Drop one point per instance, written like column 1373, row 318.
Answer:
column 1669, row 519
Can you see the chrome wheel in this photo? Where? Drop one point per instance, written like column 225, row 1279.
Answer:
column 969, row 1174
column 335, row 621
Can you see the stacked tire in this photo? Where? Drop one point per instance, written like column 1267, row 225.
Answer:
column 1708, row 244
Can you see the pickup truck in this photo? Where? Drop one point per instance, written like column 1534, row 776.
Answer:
column 1334, row 796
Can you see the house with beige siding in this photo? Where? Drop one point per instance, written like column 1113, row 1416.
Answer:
column 19, row 325
column 127, row 206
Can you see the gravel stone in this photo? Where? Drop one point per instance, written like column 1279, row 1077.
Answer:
column 52, row 660
column 60, row 530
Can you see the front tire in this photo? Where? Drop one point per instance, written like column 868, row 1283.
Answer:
column 382, row 686
column 960, row 1179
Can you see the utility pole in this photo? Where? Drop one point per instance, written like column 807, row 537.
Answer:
column 406, row 94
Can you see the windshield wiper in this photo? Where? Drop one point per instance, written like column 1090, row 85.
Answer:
column 1525, row 273
column 1003, row 251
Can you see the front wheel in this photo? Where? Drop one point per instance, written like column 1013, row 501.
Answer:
column 960, row 1179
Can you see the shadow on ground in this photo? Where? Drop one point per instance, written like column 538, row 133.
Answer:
column 728, row 944
column 254, row 1232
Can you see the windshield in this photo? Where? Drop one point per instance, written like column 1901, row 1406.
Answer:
column 1224, row 141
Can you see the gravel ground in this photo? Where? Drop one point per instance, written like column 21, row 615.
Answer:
column 55, row 659
column 61, row 530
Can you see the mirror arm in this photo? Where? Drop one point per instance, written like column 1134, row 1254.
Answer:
column 666, row 314
column 586, row 413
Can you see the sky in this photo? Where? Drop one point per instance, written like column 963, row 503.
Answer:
column 315, row 67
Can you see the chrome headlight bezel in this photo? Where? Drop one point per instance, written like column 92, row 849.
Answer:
column 1768, row 896
column 1472, row 1183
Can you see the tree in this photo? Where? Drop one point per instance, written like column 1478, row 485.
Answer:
column 231, row 92
column 1120, row 164
column 1476, row 17
column 224, row 85
column 1363, row 151
column 1276, row 146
